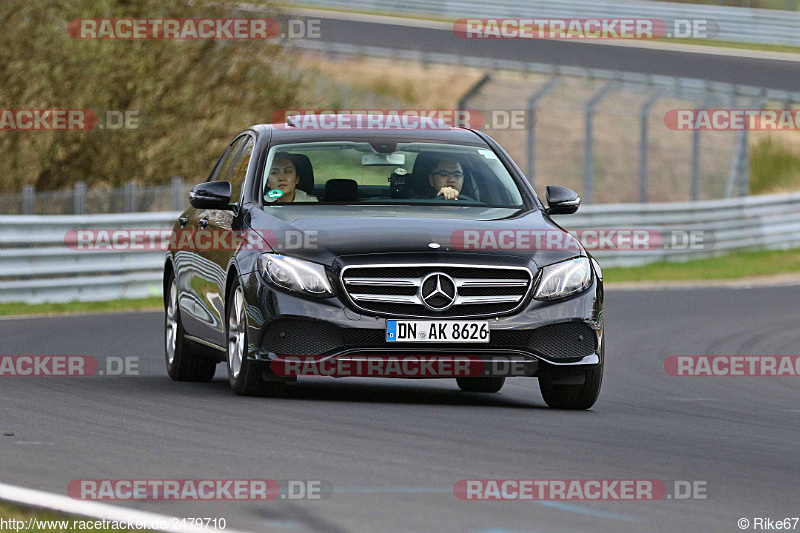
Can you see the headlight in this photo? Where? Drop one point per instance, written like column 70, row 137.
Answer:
column 564, row 278
column 296, row 275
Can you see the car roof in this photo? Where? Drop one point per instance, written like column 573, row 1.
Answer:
column 284, row 133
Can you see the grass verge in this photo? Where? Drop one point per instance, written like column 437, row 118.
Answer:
column 737, row 265
column 774, row 167
column 138, row 304
column 45, row 521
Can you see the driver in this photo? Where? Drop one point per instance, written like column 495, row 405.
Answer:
column 447, row 178
column 283, row 176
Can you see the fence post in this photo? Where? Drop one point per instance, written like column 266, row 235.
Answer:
column 696, row 151
column 177, row 193
column 744, row 176
column 695, row 163
column 79, row 198
column 740, row 165
column 28, row 199
column 744, row 171
column 462, row 102
column 588, row 162
column 532, row 102
column 644, row 141
column 130, row 196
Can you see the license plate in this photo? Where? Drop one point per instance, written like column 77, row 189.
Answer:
column 437, row 331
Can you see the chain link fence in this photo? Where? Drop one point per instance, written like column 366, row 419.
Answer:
column 608, row 138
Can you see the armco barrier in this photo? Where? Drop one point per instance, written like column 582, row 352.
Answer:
column 36, row 266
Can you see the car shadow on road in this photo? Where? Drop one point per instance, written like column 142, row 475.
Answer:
column 355, row 390
column 396, row 391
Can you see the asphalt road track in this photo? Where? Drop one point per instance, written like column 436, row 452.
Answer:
column 756, row 71
column 393, row 449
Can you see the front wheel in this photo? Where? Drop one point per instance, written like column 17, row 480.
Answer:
column 182, row 363
column 574, row 396
column 244, row 375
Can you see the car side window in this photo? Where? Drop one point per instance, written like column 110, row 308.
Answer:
column 218, row 164
column 239, row 173
column 224, row 167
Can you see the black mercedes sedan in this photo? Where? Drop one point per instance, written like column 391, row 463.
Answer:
column 380, row 245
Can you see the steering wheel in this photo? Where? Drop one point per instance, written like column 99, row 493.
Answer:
column 461, row 196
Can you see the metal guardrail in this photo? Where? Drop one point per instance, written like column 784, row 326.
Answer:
column 721, row 226
column 36, row 266
column 736, row 24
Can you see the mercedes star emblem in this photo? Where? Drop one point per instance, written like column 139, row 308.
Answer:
column 438, row 291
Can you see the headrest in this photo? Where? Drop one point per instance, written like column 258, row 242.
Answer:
column 341, row 190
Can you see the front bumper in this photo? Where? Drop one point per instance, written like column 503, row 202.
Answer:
column 556, row 336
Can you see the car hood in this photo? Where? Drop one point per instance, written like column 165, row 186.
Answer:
column 321, row 233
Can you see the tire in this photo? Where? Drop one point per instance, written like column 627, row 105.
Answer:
column 182, row 363
column 486, row 384
column 581, row 396
column 243, row 374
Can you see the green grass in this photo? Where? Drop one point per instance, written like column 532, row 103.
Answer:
column 736, row 265
column 139, row 304
column 773, row 168
column 9, row 511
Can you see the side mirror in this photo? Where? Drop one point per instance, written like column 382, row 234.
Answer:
column 561, row 200
column 211, row 195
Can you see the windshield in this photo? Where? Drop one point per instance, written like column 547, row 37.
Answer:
column 387, row 173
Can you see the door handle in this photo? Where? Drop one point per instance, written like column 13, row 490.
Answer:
column 203, row 223
column 183, row 221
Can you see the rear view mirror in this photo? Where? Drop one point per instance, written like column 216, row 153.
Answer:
column 211, row 195
column 561, row 200
column 389, row 160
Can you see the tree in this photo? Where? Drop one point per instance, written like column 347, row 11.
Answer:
column 192, row 96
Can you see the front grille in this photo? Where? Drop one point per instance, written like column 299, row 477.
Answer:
column 565, row 342
column 436, row 290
